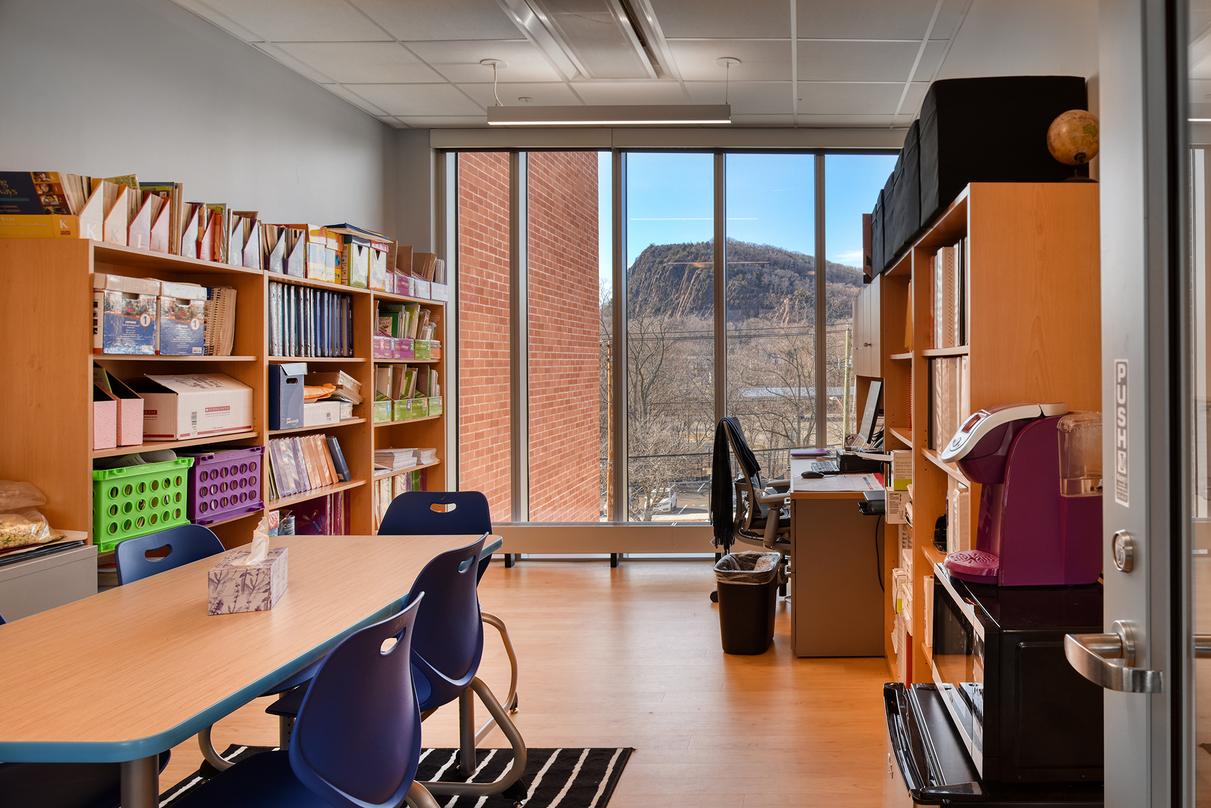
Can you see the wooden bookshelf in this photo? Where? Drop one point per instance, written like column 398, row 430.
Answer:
column 1033, row 334
column 46, row 335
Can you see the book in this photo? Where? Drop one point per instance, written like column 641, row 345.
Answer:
column 40, row 192
column 309, row 322
column 304, row 463
column 219, row 329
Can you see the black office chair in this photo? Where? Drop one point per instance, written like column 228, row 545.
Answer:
column 743, row 508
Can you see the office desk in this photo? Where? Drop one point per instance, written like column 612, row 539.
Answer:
column 836, row 601
column 124, row 675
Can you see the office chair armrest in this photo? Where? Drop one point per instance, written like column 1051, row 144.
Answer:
column 778, row 485
column 774, row 500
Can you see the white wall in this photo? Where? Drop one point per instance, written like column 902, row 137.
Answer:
column 117, row 86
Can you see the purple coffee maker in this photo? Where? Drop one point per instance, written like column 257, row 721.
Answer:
column 1040, row 519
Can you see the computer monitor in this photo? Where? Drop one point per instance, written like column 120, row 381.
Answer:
column 870, row 415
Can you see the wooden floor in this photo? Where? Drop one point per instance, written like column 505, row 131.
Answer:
column 631, row 657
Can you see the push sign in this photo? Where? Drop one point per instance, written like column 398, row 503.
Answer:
column 1122, row 488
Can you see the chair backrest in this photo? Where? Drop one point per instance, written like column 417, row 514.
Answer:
column 449, row 635
column 439, row 513
column 356, row 741
column 184, row 544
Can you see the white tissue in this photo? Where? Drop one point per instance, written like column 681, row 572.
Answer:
column 258, row 551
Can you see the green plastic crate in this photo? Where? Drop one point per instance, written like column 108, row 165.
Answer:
column 137, row 500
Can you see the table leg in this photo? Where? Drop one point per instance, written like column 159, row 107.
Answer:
column 141, row 783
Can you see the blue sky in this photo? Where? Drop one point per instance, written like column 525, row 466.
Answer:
column 770, row 200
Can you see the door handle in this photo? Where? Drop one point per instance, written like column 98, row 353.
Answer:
column 1108, row 660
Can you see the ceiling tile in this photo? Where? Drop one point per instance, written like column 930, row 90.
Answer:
column 300, row 20
column 1026, row 37
column 549, row 94
column 445, row 122
column 285, row 58
column 417, row 20
column 913, row 98
column 868, row 19
column 848, row 98
column 459, row 61
column 719, row 19
column 362, row 62
column 856, row 61
column 760, row 60
column 931, row 60
column 416, row 99
column 746, row 97
column 631, row 92
column 356, row 100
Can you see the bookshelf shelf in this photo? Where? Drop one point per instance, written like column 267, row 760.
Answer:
column 960, row 350
column 145, row 260
column 157, row 358
column 49, row 435
column 394, row 298
column 298, row 430
column 387, row 361
column 1031, row 279
column 379, row 475
column 275, row 277
column 410, row 421
column 950, row 468
column 277, row 360
column 314, row 493
column 173, row 444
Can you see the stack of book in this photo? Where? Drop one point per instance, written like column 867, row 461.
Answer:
column 395, row 459
column 949, row 296
column 949, row 399
column 304, row 463
column 219, row 331
column 309, row 322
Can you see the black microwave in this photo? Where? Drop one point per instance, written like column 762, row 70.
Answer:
column 997, row 660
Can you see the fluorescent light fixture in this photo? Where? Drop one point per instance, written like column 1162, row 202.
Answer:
column 642, row 115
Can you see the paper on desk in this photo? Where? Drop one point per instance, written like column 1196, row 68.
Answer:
column 882, row 457
column 259, row 549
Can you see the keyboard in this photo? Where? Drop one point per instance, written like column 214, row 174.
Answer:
column 825, row 466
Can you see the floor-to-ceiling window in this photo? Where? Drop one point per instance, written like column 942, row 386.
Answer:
column 575, row 409
column 670, row 342
column 851, row 184
column 771, row 302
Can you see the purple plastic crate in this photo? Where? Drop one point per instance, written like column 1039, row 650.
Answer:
column 224, row 484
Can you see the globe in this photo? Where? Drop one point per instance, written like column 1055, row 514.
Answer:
column 1072, row 137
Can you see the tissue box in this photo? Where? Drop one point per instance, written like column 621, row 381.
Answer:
column 233, row 587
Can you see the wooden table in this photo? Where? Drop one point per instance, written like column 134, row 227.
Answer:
column 121, row 676
column 836, row 601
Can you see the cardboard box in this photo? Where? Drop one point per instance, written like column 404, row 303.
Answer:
column 129, row 407
column 286, row 395
column 355, row 262
column 318, row 413
column 191, row 405
column 105, row 420
column 233, row 587
column 125, row 319
column 182, row 319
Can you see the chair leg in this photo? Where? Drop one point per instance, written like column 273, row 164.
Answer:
column 285, row 728
column 510, row 784
column 211, row 754
column 419, row 797
column 466, row 733
column 498, row 624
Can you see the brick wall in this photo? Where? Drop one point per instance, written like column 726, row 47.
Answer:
column 564, row 327
column 484, row 411
column 564, row 336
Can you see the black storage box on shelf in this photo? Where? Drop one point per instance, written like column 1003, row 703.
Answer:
column 902, row 218
column 286, row 395
column 877, row 256
column 887, row 197
column 991, row 130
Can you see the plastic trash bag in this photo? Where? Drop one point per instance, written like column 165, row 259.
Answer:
column 20, row 522
column 747, row 568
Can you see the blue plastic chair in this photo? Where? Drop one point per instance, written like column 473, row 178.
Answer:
column 447, row 645
column 184, row 543
column 356, row 741
column 450, row 513
column 62, row 785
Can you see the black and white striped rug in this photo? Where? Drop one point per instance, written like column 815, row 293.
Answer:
column 567, row 778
